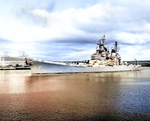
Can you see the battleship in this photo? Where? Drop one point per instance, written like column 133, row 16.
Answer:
column 102, row 60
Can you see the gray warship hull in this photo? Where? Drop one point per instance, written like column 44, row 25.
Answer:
column 40, row 67
column 45, row 67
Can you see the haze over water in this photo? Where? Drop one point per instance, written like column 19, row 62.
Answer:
column 81, row 96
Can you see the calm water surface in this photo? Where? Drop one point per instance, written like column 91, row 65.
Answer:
column 82, row 96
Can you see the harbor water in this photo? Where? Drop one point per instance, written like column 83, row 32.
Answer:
column 78, row 96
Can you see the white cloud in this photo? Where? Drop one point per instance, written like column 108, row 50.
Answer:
column 83, row 55
column 139, row 52
column 46, row 26
column 127, row 22
column 132, row 38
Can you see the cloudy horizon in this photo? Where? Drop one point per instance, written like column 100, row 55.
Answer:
column 69, row 30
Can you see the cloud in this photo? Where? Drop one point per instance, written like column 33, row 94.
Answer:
column 134, row 52
column 82, row 55
column 36, row 24
column 133, row 38
column 39, row 25
column 53, row 23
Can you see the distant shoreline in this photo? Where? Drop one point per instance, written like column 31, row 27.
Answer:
column 144, row 63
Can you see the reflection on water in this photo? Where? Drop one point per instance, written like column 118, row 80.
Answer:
column 82, row 96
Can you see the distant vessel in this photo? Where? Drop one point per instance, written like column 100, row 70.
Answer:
column 101, row 61
column 13, row 63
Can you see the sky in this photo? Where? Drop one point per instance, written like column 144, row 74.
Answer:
column 61, row 30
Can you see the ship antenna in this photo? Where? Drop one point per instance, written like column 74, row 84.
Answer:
column 6, row 53
column 104, row 36
column 136, row 62
column 103, row 39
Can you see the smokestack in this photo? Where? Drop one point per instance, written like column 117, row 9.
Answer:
column 115, row 46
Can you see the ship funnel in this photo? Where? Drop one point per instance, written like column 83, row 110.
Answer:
column 115, row 46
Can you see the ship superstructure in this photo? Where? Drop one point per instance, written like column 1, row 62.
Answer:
column 104, row 57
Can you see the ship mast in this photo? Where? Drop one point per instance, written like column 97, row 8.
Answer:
column 101, row 45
